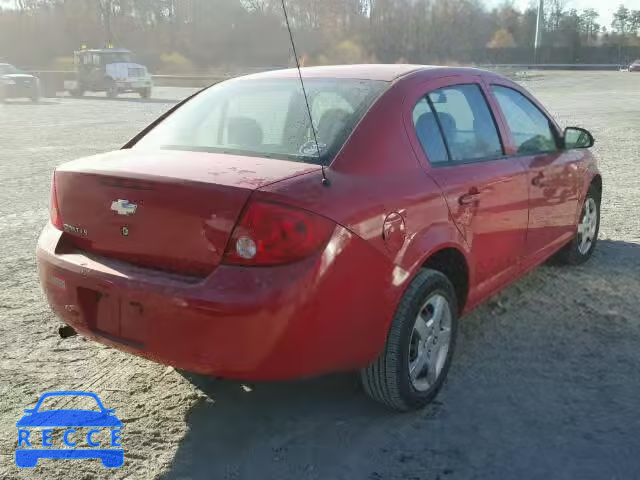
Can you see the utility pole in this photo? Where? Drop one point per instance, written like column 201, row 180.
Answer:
column 539, row 28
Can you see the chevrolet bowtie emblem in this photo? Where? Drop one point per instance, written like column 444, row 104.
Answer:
column 123, row 207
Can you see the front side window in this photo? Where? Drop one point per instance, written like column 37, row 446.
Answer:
column 530, row 128
column 466, row 123
column 268, row 118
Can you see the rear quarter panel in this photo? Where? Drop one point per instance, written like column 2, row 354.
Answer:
column 377, row 174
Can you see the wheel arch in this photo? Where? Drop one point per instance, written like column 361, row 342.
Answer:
column 596, row 181
column 441, row 247
column 595, row 178
column 452, row 263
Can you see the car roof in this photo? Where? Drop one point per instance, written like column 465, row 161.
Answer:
column 382, row 72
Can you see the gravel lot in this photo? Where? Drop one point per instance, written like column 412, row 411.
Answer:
column 545, row 382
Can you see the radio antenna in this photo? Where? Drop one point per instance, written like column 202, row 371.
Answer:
column 325, row 180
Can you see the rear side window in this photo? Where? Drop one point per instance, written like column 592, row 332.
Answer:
column 466, row 122
column 428, row 132
column 530, row 128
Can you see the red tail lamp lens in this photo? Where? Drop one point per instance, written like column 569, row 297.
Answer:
column 54, row 211
column 273, row 234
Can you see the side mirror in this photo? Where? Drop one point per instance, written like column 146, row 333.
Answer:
column 576, row 137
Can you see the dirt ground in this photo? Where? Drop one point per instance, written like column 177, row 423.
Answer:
column 545, row 381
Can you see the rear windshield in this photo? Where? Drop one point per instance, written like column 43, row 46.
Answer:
column 268, row 118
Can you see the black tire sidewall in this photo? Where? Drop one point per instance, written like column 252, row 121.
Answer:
column 112, row 89
column 432, row 282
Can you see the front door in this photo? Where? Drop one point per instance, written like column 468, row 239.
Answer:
column 553, row 174
column 486, row 191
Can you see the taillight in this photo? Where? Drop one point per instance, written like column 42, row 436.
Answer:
column 54, row 211
column 272, row 234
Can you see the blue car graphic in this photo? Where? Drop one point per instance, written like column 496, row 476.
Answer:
column 105, row 418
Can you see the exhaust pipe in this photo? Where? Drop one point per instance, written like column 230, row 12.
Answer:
column 65, row 331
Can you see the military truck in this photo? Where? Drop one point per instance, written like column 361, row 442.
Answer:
column 109, row 70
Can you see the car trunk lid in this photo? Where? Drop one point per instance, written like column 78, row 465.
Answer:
column 166, row 210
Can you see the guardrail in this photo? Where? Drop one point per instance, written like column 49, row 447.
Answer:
column 556, row 66
column 53, row 80
column 196, row 81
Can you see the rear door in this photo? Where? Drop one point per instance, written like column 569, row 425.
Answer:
column 485, row 190
column 553, row 174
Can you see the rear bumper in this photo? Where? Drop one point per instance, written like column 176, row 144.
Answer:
column 327, row 313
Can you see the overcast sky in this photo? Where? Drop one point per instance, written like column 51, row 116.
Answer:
column 604, row 7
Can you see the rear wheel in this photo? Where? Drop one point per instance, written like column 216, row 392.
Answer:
column 584, row 242
column 77, row 92
column 112, row 88
column 35, row 95
column 414, row 363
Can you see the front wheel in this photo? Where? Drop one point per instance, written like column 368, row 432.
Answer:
column 414, row 363
column 584, row 242
column 145, row 92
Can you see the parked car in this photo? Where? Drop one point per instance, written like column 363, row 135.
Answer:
column 232, row 238
column 635, row 66
column 14, row 83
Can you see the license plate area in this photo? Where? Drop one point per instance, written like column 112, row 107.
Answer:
column 100, row 310
column 112, row 315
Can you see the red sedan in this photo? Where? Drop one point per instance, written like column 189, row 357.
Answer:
column 234, row 237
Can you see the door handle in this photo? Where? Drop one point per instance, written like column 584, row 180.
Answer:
column 470, row 198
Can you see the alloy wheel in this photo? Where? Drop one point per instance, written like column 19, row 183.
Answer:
column 588, row 226
column 430, row 341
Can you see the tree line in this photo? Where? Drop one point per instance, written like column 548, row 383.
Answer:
column 183, row 36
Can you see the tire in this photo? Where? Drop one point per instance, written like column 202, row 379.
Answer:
column 77, row 93
column 388, row 379
column 112, row 89
column 577, row 252
column 145, row 93
column 35, row 95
